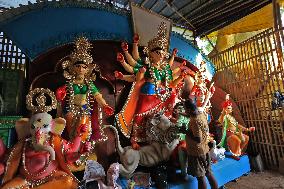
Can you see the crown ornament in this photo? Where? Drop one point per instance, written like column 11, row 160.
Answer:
column 160, row 41
column 227, row 102
column 39, row 95
column 81, row 53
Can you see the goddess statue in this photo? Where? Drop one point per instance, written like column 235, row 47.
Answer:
column 199, row 91
column 41, row 159
column 233, row 138
column 79, row 98
column 154, row 85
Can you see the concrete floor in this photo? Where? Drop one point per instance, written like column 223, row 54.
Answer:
column 261, row 180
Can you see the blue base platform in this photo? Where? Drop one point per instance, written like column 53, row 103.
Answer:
column 224, row 172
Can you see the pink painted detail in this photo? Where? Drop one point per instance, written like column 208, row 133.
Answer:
column 71, row 149
column 2, row 153
column 35, row 163
column 38, row 135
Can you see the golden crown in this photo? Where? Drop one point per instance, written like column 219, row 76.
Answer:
column 160, row 41
column 39, row 96
column 82, row 53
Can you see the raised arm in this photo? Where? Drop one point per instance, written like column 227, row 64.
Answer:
column 140, row 74
column 208, row 96
column 172, row 58
column 177, row 80
column 221, row 118
column 127, row 67
column 100, row 100
column 131, row 61
column 60, row 96
column 135, row 52
column 176, row 71
column 128, row 78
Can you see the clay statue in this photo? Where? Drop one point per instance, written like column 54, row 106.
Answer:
column 200, row 91
column 153, row 89
column 41, row 159
column 94, row 176
column 163, row 138
column 217, row 154
column 233, row 138
column 77, row 95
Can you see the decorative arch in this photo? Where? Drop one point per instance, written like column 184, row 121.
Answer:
column 40, row 27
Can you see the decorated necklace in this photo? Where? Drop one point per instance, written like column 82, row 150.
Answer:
column 76, row 110
column 166, row 95
column 24, row 162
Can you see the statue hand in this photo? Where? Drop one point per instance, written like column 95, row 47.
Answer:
column 175, row 50
column 191, row 73
column 212, row 89
column 87, row 147
column 120, row 57
column 118, row 75
column 84, row 128
column 142, row 70
column 108, row 110
column 136, row 38
column 134, row 144
column 182, row 64
column 61, row 93
column 124, row 46
column 251, row 129
column 183, row 73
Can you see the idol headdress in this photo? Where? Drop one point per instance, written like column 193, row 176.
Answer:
column 227, row 102
column 81, row 55
column 39, row 95
column 160, row 41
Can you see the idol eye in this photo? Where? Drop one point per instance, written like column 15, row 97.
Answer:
column 85, row 67
column 77, row 66
column 32, row 126
column 45, row 125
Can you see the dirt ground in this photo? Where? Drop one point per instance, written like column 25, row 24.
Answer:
column 262, row 180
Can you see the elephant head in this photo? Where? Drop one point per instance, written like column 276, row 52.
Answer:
column 40, row 130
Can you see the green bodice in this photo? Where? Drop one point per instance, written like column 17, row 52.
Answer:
column 82, row 89
column 139, row 64
column 160, row 74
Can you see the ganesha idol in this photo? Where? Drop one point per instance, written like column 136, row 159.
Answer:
column 40, row 159
column 154, row 85
column 80, row 100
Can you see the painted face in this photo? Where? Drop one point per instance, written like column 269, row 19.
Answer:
column 157, row 56
column 229, row 109
column 40, row 124
column 200, row 79
column 80, row 69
